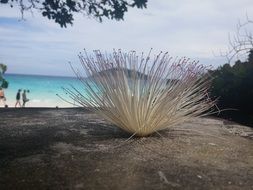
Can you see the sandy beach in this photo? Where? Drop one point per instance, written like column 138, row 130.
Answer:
column 43, row 148
column 44, row 91
column 40, row 104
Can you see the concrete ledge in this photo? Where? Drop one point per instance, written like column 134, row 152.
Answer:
column 47, row 148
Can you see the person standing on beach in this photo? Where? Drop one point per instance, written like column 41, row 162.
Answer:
column 2, row 97
column 24, row 98
column 18, row 98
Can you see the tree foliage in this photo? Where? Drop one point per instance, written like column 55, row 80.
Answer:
column 3, row 82
column 61, row 11
column 233, row 85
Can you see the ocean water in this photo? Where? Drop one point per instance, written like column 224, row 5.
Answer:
column 43, row 89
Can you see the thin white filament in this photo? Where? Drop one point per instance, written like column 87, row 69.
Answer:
column 142, row 96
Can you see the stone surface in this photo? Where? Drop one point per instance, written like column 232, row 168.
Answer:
column 74, row 149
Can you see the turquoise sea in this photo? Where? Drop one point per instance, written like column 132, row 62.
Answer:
column 43, row 89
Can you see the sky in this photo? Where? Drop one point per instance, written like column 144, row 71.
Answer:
column 197, row 29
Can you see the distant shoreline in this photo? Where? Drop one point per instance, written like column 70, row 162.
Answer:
column 31, row 104
column 2, row 109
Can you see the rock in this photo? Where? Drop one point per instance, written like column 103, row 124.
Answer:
column 74, row 149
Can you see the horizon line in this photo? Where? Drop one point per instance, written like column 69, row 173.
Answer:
column 44, row 75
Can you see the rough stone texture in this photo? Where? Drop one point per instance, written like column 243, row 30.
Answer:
column 74, row 149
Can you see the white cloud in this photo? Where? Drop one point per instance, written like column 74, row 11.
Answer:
column 194, row 28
